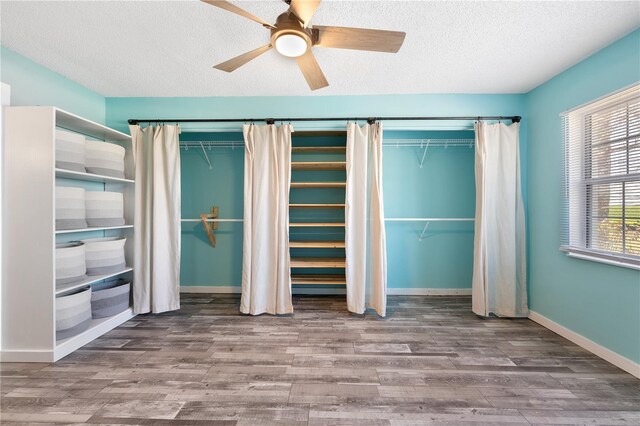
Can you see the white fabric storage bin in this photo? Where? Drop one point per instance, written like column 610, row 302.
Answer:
column 105, row 255
column 103, row 158
column 70, row 263
column 104, row 208
column 70, row 208
column 70, row 151
column 73, row 313
column 110, row 298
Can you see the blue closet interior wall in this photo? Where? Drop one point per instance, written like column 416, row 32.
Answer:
column 443, row 187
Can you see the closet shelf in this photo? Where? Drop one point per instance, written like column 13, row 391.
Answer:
column 324, row 149
column 318, row 184
column 97, row 328
column 318, row 279
column 316, row 225
column 90, row 177
column 317, row 206
column 318, row 262
column 92, row 279
column 316, row 244
column 319, row 165
column 106, row 228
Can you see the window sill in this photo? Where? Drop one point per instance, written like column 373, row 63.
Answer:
column 602, row 258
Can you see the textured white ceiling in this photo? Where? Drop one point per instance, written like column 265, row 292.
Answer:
column 167, row 48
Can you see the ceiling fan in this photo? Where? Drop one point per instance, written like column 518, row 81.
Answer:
column 292, row 36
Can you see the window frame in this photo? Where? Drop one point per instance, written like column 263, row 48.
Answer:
column 584, row 228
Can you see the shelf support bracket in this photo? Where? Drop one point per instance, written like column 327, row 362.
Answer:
column 426, row 226
column 424, row 154
column 206, row 156
column 209, row 225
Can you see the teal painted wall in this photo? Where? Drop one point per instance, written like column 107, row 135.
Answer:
column 598, row 301
column 443, row 187
column 33, row 84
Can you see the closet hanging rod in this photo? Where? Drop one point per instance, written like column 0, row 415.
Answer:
column 370, row 120
column 395, row 219
column 390, row 142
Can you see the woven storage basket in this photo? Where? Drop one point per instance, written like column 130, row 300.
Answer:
column 105, row 158
column 70, row 151
column 70, row 263
column 73, row 313
column 110, row 298
column 104, row 208
column 105, row 255
column 70, row 208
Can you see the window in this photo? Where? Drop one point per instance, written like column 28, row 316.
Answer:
column 601, row 212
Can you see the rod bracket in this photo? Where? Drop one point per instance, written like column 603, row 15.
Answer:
column 516, row 119
column 371, row 120
column 270, row 121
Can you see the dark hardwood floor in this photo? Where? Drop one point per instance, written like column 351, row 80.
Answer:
column 431, row 361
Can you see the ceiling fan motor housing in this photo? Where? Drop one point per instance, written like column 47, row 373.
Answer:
column 288, row 23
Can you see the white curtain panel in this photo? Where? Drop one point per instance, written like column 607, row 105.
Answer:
column 266, row 274
column 156, row 248
column 365, row 238
column 499, row 274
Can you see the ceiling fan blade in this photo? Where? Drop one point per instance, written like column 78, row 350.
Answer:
column 311, row 71
column 359, row 38
column 304, row 9
column 238, row 61
column 222, row 4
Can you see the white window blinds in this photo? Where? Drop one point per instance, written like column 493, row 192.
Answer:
column 601, row 205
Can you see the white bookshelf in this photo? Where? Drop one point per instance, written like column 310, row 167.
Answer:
column 28, row 276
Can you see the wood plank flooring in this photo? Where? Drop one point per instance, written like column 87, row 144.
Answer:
column 431, row 361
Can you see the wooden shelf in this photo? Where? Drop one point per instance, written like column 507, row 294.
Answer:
column 90, row 177
column 318, row 184
column 316, row 225
column 105, row 228
column 91, row 279
column 319, row 165
column 318, row 280
column 324, row 149
column 317, row 206
column 316, row 244
column 318, row 262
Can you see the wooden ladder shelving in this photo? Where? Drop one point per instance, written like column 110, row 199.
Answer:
column 310, row 265
column 319, row 165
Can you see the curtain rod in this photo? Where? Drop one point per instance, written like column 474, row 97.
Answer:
column 370, row 120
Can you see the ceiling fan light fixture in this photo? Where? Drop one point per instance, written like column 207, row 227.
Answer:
column 291, row 45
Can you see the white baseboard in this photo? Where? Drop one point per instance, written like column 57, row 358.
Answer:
column 26, row 356
column 315, row 290
column 608, row 355
column 409, row 291
column 225, row 289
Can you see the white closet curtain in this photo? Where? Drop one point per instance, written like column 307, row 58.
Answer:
column 266, row 277
column 499, row 274
column 365, row 239
column 156, row 248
